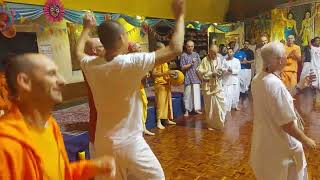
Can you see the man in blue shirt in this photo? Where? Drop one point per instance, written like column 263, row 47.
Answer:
column 246, row 59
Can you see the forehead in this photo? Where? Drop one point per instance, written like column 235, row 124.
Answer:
column 43, row 63
column 190, row 43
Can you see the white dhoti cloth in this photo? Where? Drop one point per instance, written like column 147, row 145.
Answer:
column 214, row 109
column 245, row 80
column 134, row 161
column 231, row 96
column 192, row 97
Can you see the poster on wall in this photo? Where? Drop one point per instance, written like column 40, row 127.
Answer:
column 296, row 20
column 257, row 26
column 46, row 49
column 317, row 21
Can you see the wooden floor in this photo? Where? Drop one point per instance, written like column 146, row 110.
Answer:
column 190, row 151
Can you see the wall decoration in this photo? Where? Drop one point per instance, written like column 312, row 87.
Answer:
column 7, row 27
column 53, row 10
column 255, row 27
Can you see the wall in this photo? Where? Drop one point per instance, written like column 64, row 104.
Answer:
column 59, row 43
column 229, row 36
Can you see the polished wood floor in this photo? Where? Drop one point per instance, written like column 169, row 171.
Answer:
column 190, row 151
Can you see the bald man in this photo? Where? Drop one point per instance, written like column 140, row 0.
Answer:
column 189, row 62
column 32, row 146
column 115, row 81
column 258, row 63
column 289, row 74
column 210, row 71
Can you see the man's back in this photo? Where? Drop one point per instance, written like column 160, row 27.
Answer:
column 115, row 87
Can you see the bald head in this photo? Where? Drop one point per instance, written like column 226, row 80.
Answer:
column 111, row 33
column 34, row 79
column 18, row 64
column 94, row 47
column 290, row 40
column 213, row 51
column 189, row 46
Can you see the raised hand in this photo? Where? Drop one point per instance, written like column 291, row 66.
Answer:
column 178, row 8
column 89, row 20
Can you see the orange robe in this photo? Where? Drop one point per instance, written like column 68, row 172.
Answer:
column 21, row 159
column 5, row 103
column 289, row 74
column 163, row 94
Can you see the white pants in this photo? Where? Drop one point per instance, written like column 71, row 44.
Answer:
column 231, row 96
column 245, row 80
column 134, row 161
column 192, row 97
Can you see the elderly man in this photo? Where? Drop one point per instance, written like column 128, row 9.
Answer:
column 190, row 60
column 32, row 146
column 276, row 149
column 289, row 73
column 115, row 81
column 210, row 71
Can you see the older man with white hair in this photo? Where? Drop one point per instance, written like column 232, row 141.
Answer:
column 276, row 149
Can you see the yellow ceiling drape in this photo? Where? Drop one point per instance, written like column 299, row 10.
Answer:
column 197, row 10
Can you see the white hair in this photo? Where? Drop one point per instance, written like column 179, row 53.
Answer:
column 272, row 52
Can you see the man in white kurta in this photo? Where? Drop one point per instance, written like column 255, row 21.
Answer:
column 210, row 72
column 258, row 63
column 276, row 154
column 231, row 86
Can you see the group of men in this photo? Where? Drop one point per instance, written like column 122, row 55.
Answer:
column 32, row 144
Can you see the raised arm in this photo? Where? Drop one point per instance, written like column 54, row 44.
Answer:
column 89, row 21
column 176, row 44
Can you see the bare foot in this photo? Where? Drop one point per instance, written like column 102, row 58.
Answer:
column 210, row 129
column 186, row 114
column 171, row 122
column 198, row 112
column 159, row 125
column 237, row 109
column 148, row 132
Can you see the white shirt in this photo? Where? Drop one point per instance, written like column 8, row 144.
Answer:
column 231, row 78
column 272, row 149
column 115, row 87
column 315, row 57
column 258, row 63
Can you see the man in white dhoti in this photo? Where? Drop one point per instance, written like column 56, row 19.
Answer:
column 276, row 148
column 210, row 72
column 230, row 81
column 189, row 62
column 115, row 81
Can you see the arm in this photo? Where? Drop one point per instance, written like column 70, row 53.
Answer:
column 295, row 132
column 88, row 22
column 302, row 28
column 175, row 46
column 295, row 27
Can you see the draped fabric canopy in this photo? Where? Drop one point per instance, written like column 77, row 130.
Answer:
column 35, row 11
column 200, row 10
